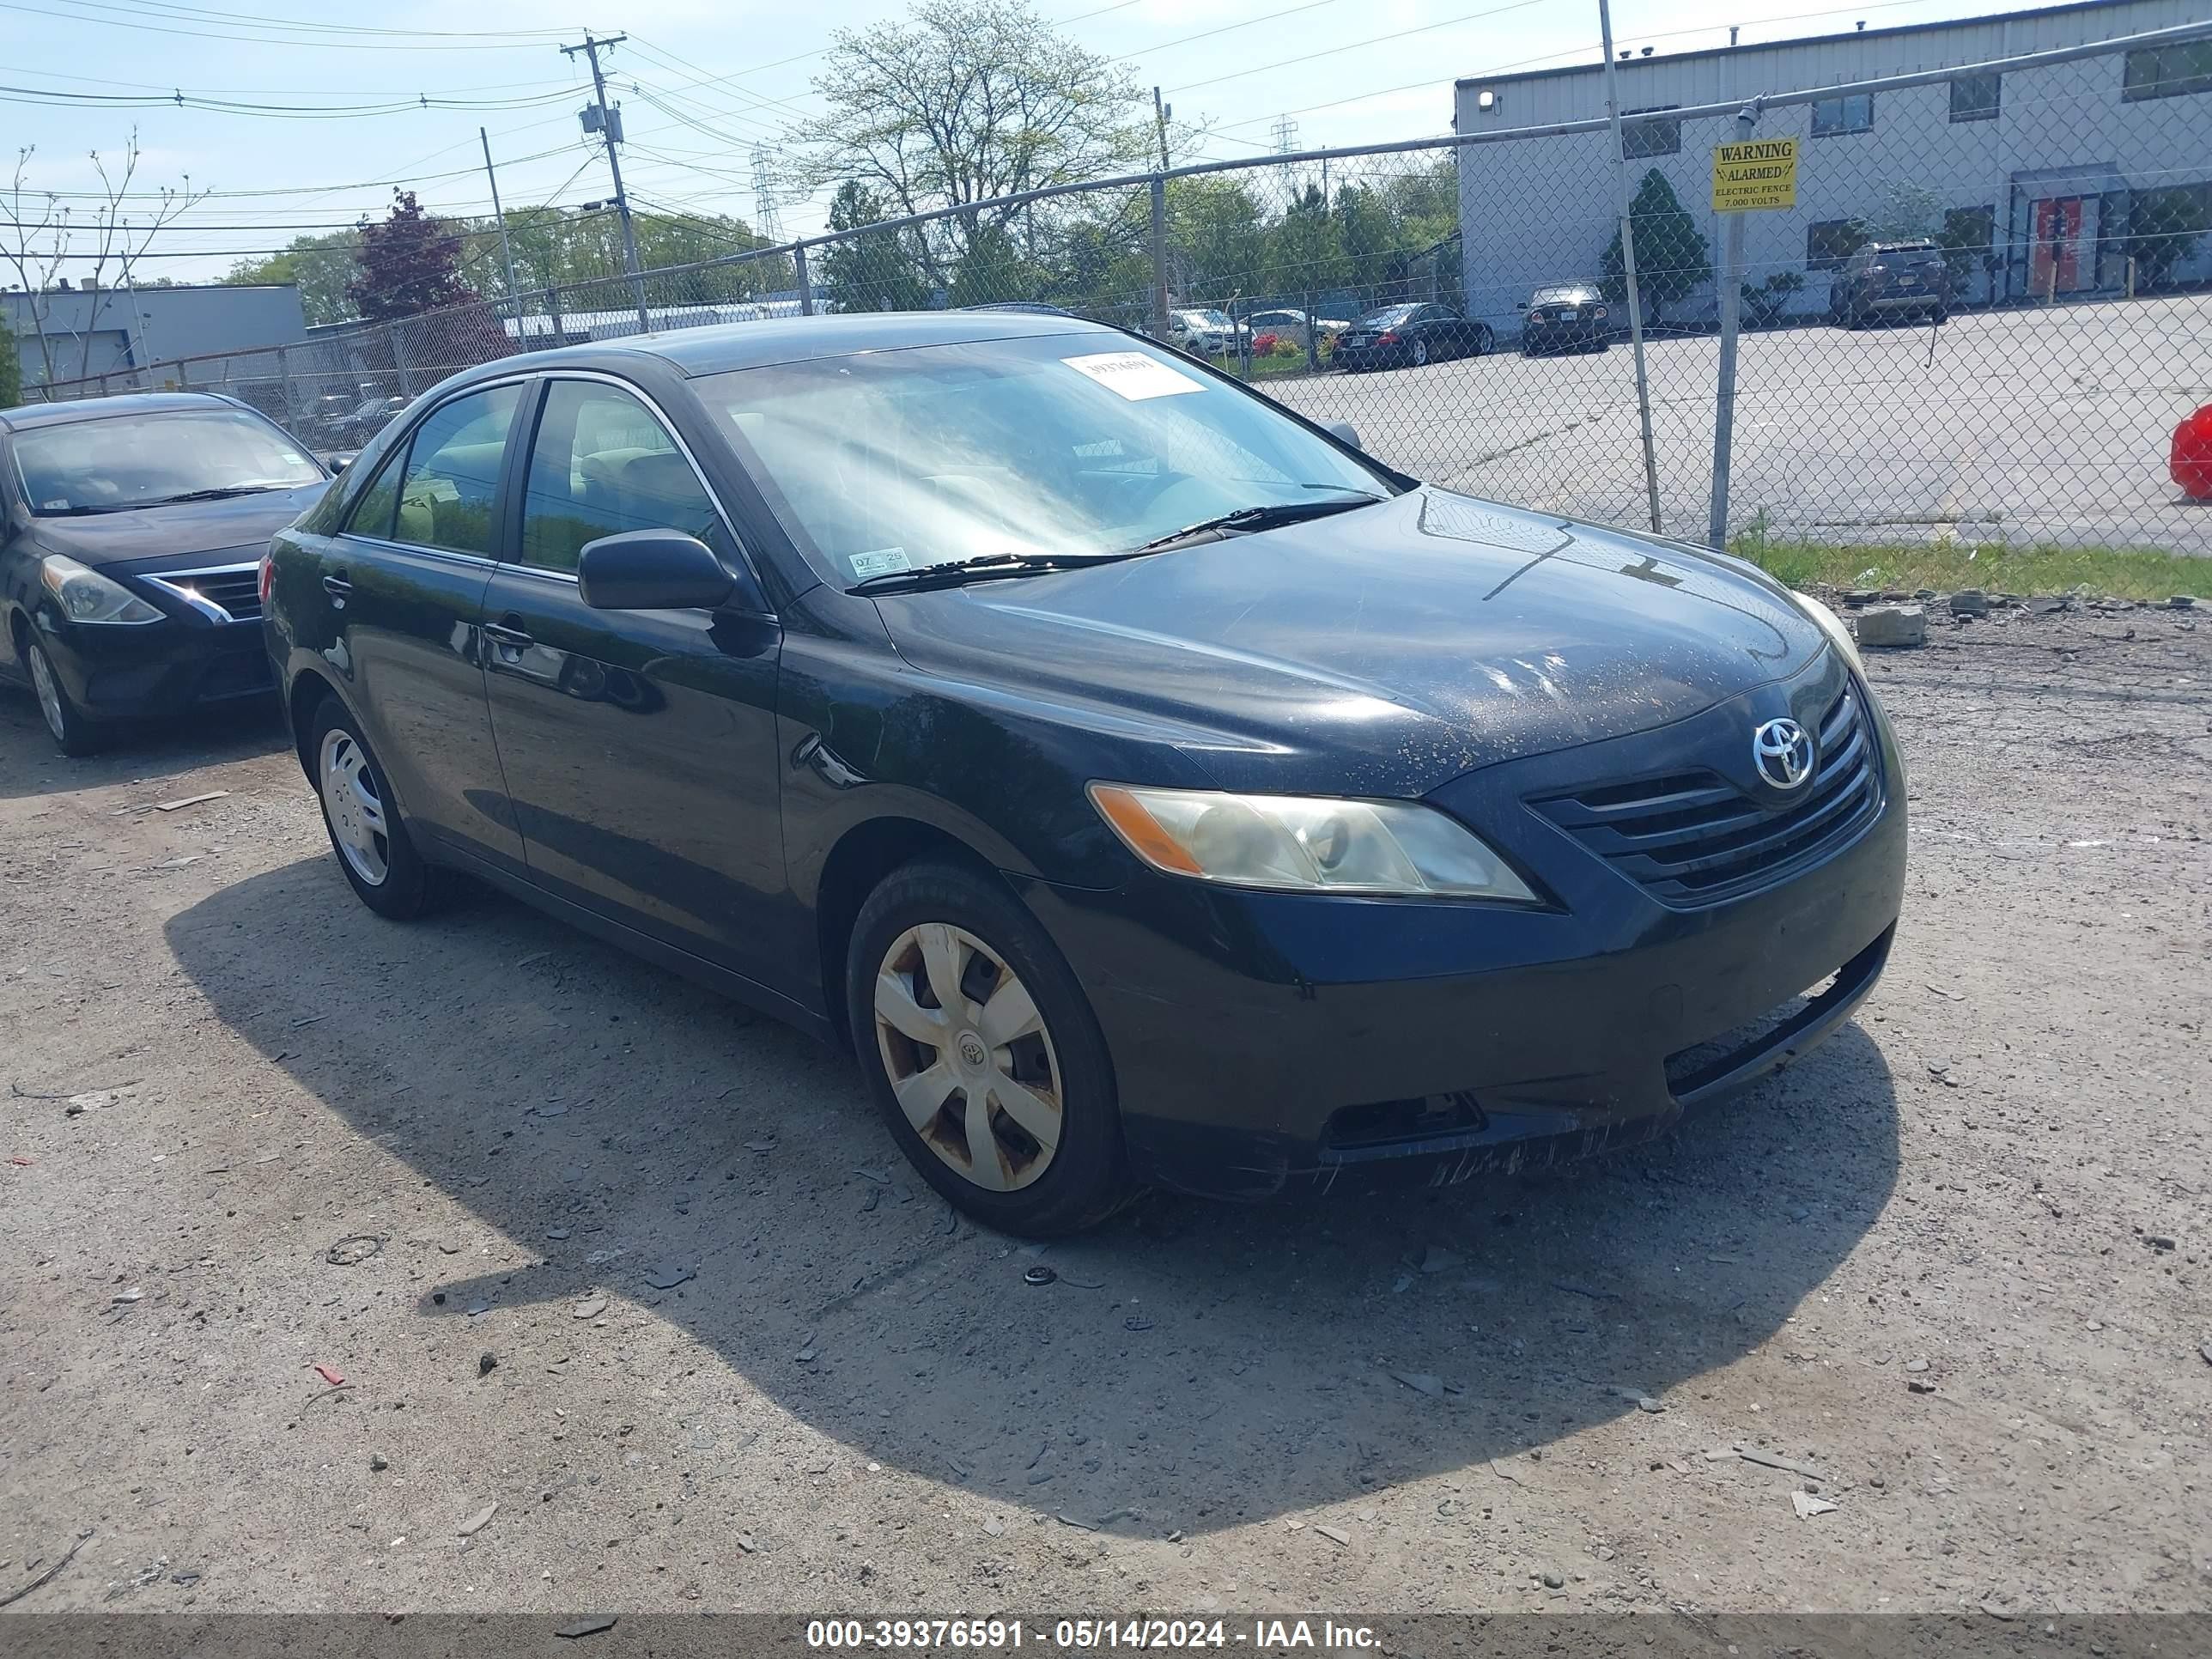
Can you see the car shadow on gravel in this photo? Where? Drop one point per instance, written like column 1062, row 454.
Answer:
column 210, row 737
column 1189, row 1366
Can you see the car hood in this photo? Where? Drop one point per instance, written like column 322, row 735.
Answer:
column 1378, row 652
column 183, row 532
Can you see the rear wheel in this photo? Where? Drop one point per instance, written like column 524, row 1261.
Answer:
column 1421, row 353
column 73, row 734
column 375, row 852
column 1485, row 341
column 983, row 1053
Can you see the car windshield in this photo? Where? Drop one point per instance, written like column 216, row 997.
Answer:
column 1209, row 319
column 1387, row 316
column 1566, row 293
column 118, row 462
column 1067, row 445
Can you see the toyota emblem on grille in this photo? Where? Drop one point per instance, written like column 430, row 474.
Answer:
column 1783, row 752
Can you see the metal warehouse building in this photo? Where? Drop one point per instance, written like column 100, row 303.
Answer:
column 2042, row 180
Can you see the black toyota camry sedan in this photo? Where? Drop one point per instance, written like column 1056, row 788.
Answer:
column 1151, row 789
column 130, row 531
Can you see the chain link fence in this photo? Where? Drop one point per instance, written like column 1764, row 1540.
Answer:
column 1979, row 324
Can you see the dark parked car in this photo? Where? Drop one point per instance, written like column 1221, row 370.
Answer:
column 133, row 527
column 1398, row 337
column 1564, row 317
column 1150, row 788
column 1891, row 279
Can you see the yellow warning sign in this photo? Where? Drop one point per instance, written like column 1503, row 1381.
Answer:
column 1754, row 177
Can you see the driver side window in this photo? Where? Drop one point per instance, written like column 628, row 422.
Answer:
column 603, row 464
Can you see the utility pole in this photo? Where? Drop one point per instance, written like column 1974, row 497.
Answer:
column 609, row 127
column 1160, row 116
column 506, row 252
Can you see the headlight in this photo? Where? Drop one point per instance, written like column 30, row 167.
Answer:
column 1301, row 844
column 1839, row 634
column 86, row 596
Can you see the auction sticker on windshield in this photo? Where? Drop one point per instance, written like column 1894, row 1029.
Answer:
column 884, row 561
column 1133, row 375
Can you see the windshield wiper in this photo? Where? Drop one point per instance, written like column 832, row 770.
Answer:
column 983, row 567
column 82, row 510
column 222, row 492
column 1250, row 519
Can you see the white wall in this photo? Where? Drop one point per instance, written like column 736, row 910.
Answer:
column 1542, row 209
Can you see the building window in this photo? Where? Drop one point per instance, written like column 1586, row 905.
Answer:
column 2167, row 71
column 1642, row 139
column 1976, row 97
column 1829, row 242
column 1854, row 113
column 1486, row 101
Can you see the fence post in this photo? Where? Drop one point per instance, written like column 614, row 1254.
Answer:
column 1159, row 257
column 553, row 311
column 805, row 289
column 1313, row 336
column 291, row 397
column 391, row 339
column 1628, row 267
column 1731, row 298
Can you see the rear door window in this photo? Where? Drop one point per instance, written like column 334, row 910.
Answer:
column 451, row 478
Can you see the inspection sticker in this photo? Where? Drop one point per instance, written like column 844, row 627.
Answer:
column 884, row 561
column 1133, row 375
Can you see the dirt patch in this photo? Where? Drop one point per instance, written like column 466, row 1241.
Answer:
column 1949, row 1274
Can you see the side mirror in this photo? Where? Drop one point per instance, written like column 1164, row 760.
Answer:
column 652, row 570
column 1520, row 305
column 1343, row 432
column 337, row 463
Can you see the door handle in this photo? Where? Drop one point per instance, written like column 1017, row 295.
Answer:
column 513, row 638
column 337, row 585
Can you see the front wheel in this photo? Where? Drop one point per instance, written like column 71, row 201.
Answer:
column 375, row 852
column 1421, row 353
column 983, row 1053
column 72, row 732
column 1485, row 341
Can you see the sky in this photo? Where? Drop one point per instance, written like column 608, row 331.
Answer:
column 325, row 118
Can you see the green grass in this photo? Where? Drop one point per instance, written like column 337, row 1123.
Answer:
column 1264, row 367
column 2115, row 573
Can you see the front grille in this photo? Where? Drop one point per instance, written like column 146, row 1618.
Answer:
column 1692, row 838
column 235, row 590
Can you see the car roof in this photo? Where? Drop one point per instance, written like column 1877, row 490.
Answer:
column 30, row 415
column 1571, row 287
column 712, row 350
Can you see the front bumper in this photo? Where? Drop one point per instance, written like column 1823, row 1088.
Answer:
column 159, row 669
column 1540, row 337
column 1265, row 1043
column 1396, row 356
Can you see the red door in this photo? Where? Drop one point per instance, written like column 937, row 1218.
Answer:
column 2054, row 266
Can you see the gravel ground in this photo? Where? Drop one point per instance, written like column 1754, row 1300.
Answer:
column 1953, row 1264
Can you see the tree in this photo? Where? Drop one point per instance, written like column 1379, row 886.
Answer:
column 11, row 367
column 1305, row 249
column 36, row 266
column 323, row 268
column 409, row 264
column 874, row 272
column 966, row 100
column 1217, row 237
column 2163, row 226
column 117, row 240
column 1671, row 255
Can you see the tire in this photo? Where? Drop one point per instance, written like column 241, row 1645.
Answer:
column 407, row 887
column 1940, row 315
column 1485, row 341
column 1419, row 354
column 935, row 922
column 73, row 730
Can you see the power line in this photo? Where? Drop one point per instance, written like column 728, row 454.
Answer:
column 181, row 99
column 130, row 20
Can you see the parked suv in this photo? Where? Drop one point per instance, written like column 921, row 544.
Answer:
column 1891, row 278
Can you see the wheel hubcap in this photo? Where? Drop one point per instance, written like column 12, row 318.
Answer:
column 355, row 811
column 50, row 694
column 967, row 1056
